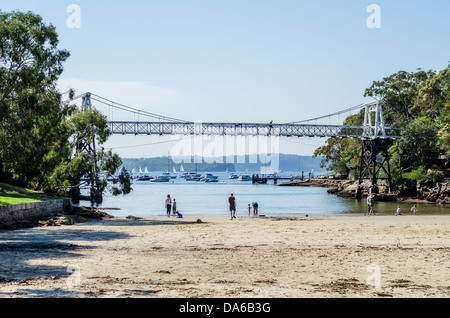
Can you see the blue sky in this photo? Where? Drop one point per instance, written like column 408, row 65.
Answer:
column 242, row 61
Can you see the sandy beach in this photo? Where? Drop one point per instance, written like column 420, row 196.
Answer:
column 340, row 256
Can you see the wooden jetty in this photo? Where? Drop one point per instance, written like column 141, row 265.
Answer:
column 256, row 179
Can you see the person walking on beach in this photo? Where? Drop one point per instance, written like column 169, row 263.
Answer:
column 370, row 204
column 399, row 211
column 414, row 209
column 249, row 209
column 168, row 205
column 232, row 203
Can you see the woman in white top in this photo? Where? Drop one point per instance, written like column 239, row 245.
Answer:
column 168, row 205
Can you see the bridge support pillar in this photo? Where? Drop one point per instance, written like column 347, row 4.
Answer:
column 374, row 163
column 89, row 148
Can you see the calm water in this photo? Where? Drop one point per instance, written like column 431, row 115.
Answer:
column 202, row 198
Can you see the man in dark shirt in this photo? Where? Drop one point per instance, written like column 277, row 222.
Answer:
column 232, row 202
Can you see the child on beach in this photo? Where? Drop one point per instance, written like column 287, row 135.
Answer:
column 399, row 210
column 414, row 209
column 174, row 207
column 249, row 208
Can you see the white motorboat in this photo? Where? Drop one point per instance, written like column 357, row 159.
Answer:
column 244, row 177
column 161, row 178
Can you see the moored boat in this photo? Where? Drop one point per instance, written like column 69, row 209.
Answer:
column 208, row 177
column 160, row 178
column 244, row 177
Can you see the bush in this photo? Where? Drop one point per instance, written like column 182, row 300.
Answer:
column 397, row 175
column 416, row 175
column 421, row 174
column 435, row 176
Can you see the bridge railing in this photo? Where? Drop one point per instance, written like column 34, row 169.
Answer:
column 242, row 129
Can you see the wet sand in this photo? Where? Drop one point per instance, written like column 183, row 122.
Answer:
column 340, row 256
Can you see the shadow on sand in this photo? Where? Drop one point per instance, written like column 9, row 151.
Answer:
column 146, row 222
column 20, row 248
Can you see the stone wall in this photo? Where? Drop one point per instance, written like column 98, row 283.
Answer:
column 33, row 211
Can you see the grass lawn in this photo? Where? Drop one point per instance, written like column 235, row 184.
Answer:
column 14, row 195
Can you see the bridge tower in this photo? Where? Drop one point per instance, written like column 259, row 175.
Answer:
column 374, row 161
column 90, row 149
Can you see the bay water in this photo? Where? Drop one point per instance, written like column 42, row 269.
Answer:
column 197, row 198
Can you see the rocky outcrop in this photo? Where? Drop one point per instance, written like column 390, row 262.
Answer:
column 327, row 183
column 431, row 192
column 424, row 191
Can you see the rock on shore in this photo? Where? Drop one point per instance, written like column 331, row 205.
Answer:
column 424, row 191
column 77, row 215
column 439, row 192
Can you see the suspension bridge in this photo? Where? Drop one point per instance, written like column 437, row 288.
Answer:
column 375, row 137
column 373, row 127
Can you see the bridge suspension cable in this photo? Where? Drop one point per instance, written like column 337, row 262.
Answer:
column 357, row 107
column 130, row 109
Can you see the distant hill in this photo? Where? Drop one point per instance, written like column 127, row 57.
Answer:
column 287, row 162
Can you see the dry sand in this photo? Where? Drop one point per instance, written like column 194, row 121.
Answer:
column 246, row 257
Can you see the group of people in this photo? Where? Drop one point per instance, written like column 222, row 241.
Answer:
column 171, row 206
column 232, row 204
column 371, row 211
column 399, row 210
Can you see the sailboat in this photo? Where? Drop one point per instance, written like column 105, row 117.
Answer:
column 192, row 176
column 183, row 173
column 167, row 173
column 174, row 176
column 143, row 176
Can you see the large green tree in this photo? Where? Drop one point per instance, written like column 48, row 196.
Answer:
column 341, row 155
column 418, row 103
column 89, row 165
column 31, row 136
column 398, row 93
column 40, row 136
column 433, row 101
column 419, row 144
